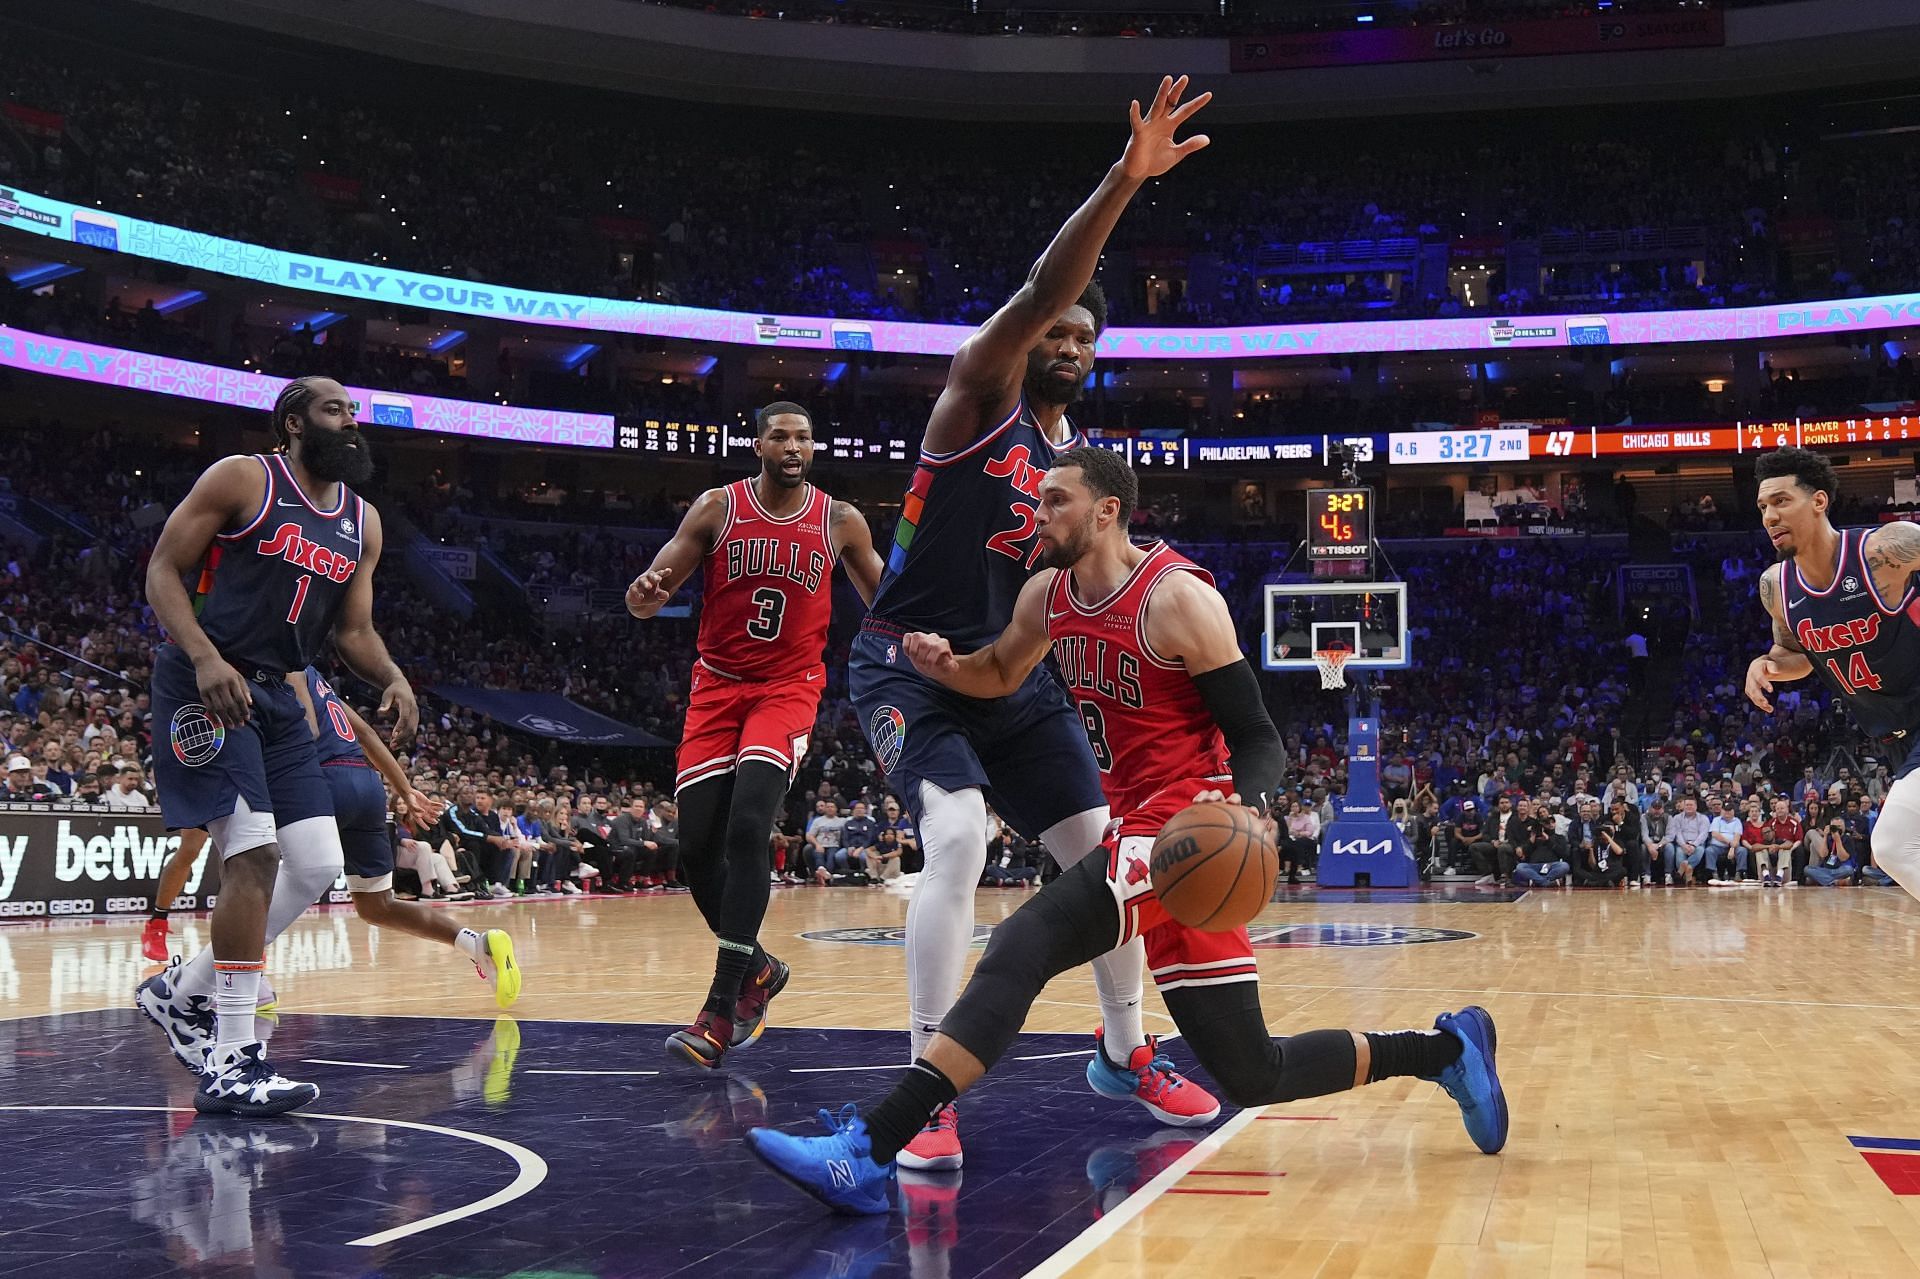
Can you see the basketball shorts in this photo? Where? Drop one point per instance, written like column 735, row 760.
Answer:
column 360, row 810
column 1179, row 957
column 1028, row 751
column 730, row 721
column 204, row 774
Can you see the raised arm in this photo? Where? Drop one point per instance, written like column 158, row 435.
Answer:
column 853, row 547
column 1000, row 667
column 228, row 494
column 361, row 647
column 1188, row 622
column 985, row 374
column 674, row 563
column 1785, row 661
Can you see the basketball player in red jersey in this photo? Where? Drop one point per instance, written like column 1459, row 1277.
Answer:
column 1145, row 641
column 767, row 547
column 1845, row 607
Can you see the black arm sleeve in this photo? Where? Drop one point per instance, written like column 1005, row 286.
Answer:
column 1232, row 695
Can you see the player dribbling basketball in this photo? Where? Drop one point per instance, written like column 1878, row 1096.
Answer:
column 1171, row 706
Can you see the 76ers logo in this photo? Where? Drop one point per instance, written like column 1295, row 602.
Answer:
column 1017, row 468
column 290, row 544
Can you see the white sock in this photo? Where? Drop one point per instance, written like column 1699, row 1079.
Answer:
column 471, row 943
column 236, row 992
column 1119, row 975
column 953, row 836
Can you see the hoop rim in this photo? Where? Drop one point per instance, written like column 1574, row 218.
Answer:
column 1332, row 663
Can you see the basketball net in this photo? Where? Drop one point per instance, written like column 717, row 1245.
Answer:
column 1333, row 666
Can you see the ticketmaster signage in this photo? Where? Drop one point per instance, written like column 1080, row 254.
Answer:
column 110, row 366
column 120, row 233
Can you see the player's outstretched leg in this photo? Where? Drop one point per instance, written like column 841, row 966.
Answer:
column 173, row 881
column 745, row 978
column 491, row 951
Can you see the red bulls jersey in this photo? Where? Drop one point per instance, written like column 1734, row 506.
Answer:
column 1147, row 723
column 268, row 593
column 769, row 590
column 1862, row 647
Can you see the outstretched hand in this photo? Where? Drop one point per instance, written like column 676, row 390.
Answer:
column 1151, row 151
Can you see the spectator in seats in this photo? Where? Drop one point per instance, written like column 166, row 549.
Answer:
column 1592, row 851
column 635, row 851
column 1686, row 841
column 1300, row 840
column 857, row 838
column 1829, row 860
column 563, row 863
column 1472, row 843
column 1620, row 786
column 478, row 829
column 823, row 841
column 87, row 792
column 665, row 819
column 1780, row 838
column 1726, row 846
column 526, row 846
column 21, row 787
column 883, row 859
column 1622, row 833
column 1015, row 862
column 595, row 834
column 1543, row 852
column 126, row 795
column 905, row 836
column 1504, row 834
column 56, row 776
column 437, row 878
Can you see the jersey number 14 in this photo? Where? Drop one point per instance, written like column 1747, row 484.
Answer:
column 1859, row 677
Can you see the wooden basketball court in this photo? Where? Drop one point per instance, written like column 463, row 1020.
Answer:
column 1701, row 1082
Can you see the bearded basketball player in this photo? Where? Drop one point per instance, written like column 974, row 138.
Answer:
column 1845, row 610
column 767, row 546
column 964, row 546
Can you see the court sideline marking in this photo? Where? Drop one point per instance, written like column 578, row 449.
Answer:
column 1081, row 1246
column 532, row 1169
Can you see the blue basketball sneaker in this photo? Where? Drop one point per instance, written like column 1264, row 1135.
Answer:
column 187, row 1020
column 837, row 1169
column 1472, row 1081
column 238, row 1081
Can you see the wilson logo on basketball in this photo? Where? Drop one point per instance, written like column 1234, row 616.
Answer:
column 1171, row 853
column 290, row 544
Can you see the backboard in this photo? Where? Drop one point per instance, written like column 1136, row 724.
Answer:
column 1368, row 619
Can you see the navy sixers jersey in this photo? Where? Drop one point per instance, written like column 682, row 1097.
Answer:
column 268, row 593
column 966, row 541
column 1862, row 647
column 337, row 740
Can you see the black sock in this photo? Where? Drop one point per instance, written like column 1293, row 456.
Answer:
column 904, row 1112
column 730, row 969
column 1420, row 1053
column 159, row 912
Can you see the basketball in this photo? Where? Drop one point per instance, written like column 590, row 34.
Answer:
column 1214, row 866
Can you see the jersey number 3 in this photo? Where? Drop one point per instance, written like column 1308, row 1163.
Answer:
column 1859, row 677
column 765, row 624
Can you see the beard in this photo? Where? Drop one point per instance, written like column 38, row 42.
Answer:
column 778, row 473
column 1043, row 387
column 1066, row 554
column 336, row 457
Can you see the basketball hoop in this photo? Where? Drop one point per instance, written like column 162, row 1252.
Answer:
column 1333, row 666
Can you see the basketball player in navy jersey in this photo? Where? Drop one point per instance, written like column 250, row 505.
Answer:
column 355, row 762
column 285, row 552
column 1845, row 608
column 963, row 548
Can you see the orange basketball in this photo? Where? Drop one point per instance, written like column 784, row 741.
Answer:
column 1214, row 866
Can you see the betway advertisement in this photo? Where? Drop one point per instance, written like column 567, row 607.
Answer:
column 64, row 863
column 121, row 233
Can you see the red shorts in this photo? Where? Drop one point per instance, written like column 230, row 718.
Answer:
column 730, row 721
column 1177, row 956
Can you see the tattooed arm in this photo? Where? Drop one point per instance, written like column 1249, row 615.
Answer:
column 1785, row 661
column 1893, row 556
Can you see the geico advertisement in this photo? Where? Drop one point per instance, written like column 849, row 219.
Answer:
column 68, row 863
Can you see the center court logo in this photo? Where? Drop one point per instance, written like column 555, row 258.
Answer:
column 887, row 730
column 1265, row 936
column 196, row 738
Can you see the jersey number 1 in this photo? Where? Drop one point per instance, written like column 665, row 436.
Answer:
column 772, row 603
column 299, row 597
column 1859, row 677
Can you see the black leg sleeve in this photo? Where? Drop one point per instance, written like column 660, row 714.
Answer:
column 1224, row 1027
column 1070, row 922
column 758, row 789
column 703, row 810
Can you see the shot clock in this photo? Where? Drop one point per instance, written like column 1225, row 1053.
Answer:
column 1340, row 531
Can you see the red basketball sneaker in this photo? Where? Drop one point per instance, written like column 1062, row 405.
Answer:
column 153, row 939
column 1150, row 1079
column 702, row 1044
column 935, row 1148
column 750, row 1010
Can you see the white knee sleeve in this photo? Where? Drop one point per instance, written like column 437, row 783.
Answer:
column 953, row 840
column 1119, row 975
column 1896, row 836
column 310, row 859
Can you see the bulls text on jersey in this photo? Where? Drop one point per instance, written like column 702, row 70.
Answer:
column 773, row 557
column 1094, row 666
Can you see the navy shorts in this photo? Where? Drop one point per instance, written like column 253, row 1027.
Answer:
column 204, row 772
column 360, row 809
column 1028, row 751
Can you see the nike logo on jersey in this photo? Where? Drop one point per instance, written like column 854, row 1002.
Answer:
column 812, row 676
column 284, row 502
